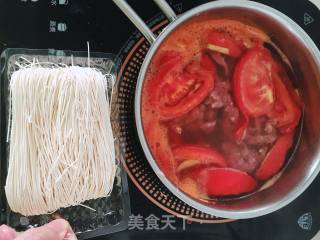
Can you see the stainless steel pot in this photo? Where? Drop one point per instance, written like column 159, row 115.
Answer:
column 305, row 60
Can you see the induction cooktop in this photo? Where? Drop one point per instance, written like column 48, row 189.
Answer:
column 69, row 24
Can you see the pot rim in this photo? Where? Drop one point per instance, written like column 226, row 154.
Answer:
column 286, row 22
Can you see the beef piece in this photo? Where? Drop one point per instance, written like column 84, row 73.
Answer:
column 208, row 127
column 220, row 96
column 261, row 131
column 243, row 157
column 201, row 120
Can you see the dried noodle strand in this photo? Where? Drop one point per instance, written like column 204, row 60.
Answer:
column 61, row 142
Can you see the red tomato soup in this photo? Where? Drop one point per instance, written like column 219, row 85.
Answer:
column 219, row 111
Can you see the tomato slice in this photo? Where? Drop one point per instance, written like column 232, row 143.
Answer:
column 207, row 63
column 165, row 57
column 285, row 73
column 189, row 186
column 167, row 62
column 177, row 87
column 222, row 182
column 191, row 155
column 275, row 158
column 164, row 64
column 182, row 92
column 188, row 164
column 241, row 129
column 286, row 111
column 158, row 142
column 224, row 43
column 253, row 86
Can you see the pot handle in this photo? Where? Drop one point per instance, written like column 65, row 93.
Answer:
column 139, row 23
column 166, row 9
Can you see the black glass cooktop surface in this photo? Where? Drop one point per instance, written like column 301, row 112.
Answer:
column 63, row 24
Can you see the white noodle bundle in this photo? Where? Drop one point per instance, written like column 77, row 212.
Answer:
column 61, row 142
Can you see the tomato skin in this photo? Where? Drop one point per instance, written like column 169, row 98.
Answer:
column 221, row 182
column 275, row 158
column 204, row 155
column 286, row 112
column 253, row 87
column 224, row 40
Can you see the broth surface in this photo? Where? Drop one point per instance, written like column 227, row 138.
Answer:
column 218, row 109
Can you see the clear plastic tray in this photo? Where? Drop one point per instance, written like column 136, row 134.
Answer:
column 112, row 213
